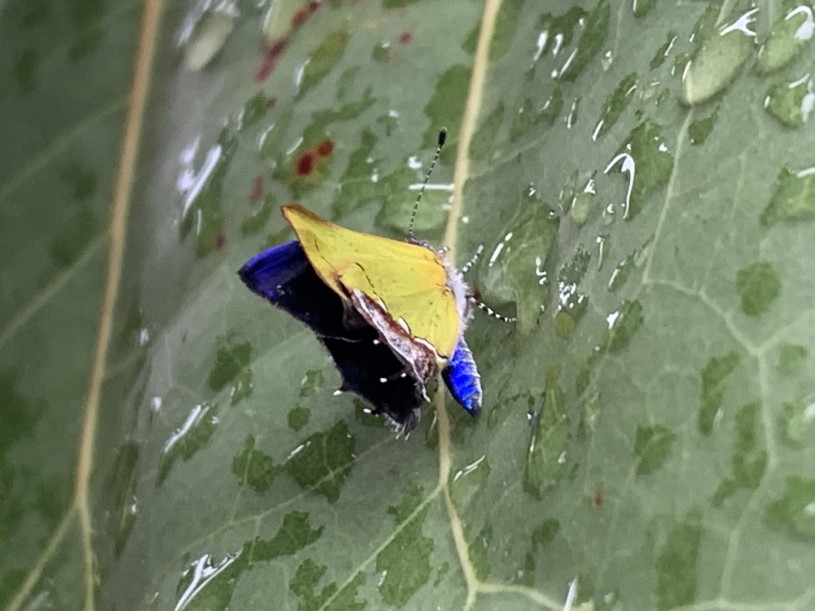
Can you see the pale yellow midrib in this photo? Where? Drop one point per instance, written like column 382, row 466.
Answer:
column 461, row 172
column 80, row 506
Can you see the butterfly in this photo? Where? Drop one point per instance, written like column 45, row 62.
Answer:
column 391, row 313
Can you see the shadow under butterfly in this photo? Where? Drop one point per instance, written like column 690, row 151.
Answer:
column 390, row 313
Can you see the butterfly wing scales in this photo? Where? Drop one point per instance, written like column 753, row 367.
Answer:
column 284, row 277
column 462, row 379
column 409, row 279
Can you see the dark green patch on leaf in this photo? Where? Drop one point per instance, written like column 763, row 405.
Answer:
column 700, row 129
column 785, row 101
column 323, row 59
column 572, row 302
column 299, row 417
column 188, row 439
column 791, row 358
column 628, row 320
column 792, row 511
column 506, row 25
column 346, row 599
column 548, row 440
column 479, row 547
column 621, row 273
column 758, row 286
column 643, row 7
column 231, row 366
column 294, row 534
column 411, row 499
column 797, row 420
column 405, row 562
column 444, row 106
column 793, row 199
column 25, row 71
column 20, row 414
column 253, row 467
column 677, row 564
column 81, row 180
column 528, row 237
column 543, row 534
column 714, row 385
column 397, row 3
column 615, row 105
column 654, row 163
column 662, row 53
column 253, row 110
column 323, row 461
column 121, row 486
column 257, row 219
column 203, row 208
column 483, row 141
column 749, row 460
column 653, row 446
column 468, row 482
column 591, row 41
column 74, row 236
column 305, row 582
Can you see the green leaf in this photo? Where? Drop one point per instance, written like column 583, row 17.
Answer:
column 639, row 177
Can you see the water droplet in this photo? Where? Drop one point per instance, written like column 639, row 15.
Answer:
column 572, row 304
column 662, row 53
column 615, row 105
column 204, row 34
column 468, row 481
column 591, row 41
column 646, row 161
column 718, row 59
column 791, row 103
column 789, row 512
column 623, row 324
column 185, row 441
column 513, row 263
column 793, row 199
column 548, row 440
column 788, row 36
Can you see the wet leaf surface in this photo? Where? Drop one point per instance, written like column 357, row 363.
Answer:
column 644, row 210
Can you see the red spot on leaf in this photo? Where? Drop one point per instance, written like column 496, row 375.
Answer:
column 597, row 499
column 256, row 191
column 270, row 58
column 220, row 240
column 325, row 148
column 405, row 37
column 314, row 5
column 299, row 18
column 306, row 163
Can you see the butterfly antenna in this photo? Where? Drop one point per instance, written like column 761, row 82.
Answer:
column 442, row 138
column 473, row 260
column 490, row 312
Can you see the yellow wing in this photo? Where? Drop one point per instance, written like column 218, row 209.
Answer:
column 410, row 280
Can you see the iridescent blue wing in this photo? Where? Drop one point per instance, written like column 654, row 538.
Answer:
column 462, row 379
column 270, row 272
column 283, row 276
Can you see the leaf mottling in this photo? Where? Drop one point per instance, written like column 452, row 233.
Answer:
column 323, row 461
